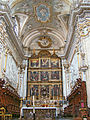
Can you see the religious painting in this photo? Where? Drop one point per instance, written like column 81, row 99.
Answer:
column 34, row 63
column 45, row 63
column 34, row 90
column 44, row 76
column 54, row 63
column 34, row 76
column 44, row 91
column 55, row 75
column 42, row 12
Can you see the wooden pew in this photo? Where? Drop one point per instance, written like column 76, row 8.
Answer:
column 3, row 114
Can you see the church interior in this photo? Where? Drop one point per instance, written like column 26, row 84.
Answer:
column 44, row 59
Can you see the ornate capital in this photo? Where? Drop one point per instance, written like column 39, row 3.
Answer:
column 84, row 28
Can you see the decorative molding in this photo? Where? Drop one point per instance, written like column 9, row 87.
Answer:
column 13, row 41
column 15, row 2
column 83, row 8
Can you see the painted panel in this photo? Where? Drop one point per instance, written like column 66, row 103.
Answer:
column 45, row 63
column 44, row 91
column 55, row 75
column 54, row 63
column 44, row 76
column 34, row 76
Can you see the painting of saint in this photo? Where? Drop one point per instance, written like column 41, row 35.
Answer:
column 44, row 76
column 55, row 75
column 34, row 76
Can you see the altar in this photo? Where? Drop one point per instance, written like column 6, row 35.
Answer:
column 40, row 112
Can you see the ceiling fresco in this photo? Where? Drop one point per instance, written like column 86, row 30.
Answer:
column 41, row 18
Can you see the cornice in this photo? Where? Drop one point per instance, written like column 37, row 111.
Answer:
column 82, row 9
column 14, row 41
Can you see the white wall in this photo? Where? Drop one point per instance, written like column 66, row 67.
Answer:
column 86, row 44
column 12, row 71
column 9, row 69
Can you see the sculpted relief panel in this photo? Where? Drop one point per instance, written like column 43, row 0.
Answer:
column 84, row 26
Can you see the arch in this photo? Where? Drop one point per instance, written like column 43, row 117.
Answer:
column 44, row 53
column 27, row 40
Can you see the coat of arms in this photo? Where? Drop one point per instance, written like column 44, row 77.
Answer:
column 42, row 12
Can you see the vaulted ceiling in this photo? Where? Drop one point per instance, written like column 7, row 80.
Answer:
column 38, row 20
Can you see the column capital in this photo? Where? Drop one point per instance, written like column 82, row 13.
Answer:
column 66, row 66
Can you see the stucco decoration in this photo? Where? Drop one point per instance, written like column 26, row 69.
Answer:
column 44, row 42
column 84, row 27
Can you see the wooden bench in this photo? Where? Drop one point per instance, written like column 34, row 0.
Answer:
column 78, row 118
column 3, row 114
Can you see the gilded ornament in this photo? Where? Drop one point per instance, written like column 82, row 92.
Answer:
column 44, row 42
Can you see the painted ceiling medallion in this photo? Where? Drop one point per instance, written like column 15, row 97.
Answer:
column 42, row 12
column 44, row 42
